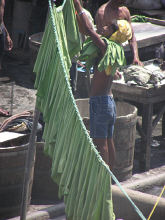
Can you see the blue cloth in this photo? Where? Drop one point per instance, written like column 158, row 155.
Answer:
column 102, row 116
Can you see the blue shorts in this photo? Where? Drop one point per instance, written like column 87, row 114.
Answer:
column 102, row 116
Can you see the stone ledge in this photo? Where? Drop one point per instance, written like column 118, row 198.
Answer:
column 45, row 214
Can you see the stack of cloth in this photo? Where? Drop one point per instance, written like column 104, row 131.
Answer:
column 143, row 76
column 21, row 122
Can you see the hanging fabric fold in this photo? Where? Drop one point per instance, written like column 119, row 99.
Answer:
column 77, row 167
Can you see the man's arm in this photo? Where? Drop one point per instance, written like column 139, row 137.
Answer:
column 2, row 6
column 98, row 18
column 8, row 41
column 132, row 41
column 85, row 25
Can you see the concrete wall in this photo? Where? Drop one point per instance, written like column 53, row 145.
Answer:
column 145, row 202
column 145, row 4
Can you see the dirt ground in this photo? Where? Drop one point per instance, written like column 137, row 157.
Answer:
column 17, row 94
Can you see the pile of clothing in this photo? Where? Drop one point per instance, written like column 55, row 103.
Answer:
column 142, row 76
column 21, row 123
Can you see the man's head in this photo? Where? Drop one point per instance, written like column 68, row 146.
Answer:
column 107, row 31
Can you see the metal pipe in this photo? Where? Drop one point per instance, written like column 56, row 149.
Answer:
column 29, row 165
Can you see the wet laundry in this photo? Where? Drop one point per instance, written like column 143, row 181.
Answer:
column 141, row 76
column 22, row 123
column 83, row 177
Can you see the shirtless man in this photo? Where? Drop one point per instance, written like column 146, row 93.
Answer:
column 102, row 106
column 5, row 40
column 115, row 10
column 5, row 43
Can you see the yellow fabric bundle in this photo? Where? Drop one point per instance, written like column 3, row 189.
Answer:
column 123, row 34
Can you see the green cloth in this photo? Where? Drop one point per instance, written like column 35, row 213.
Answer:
column 114, row 55
column 139, row 18
column 71, row 28
column 69, row 47
column 83, row 177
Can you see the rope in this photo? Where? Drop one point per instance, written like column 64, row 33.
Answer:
column 63, row 3
column 156, row 203
column 65, row 72
column 124, row 192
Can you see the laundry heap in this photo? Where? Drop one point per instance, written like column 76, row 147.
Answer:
column 147, row 76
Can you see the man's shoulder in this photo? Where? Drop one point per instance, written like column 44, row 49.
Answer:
column 101, row 8
column 2, row 2
column 100, row 13
column 125, row 12
column 124, row 8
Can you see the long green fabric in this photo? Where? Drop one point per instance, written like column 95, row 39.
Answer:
column 113, row 57
column 83, row 177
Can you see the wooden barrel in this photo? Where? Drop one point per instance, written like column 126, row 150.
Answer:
column 12, row 167
column 34, row 44
column 124, row 140
column 124, row 135
column 43, row 186
column 20, row 22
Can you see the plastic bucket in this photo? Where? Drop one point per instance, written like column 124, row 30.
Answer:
column 124, row 135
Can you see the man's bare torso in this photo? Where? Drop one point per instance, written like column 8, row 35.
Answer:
column 106, row 15
column 101, row 83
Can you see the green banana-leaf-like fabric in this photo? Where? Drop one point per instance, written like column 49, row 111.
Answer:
column 83, row 177
column 113, row 57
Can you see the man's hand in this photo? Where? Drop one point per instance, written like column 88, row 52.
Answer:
column 117, row 75
column 137, row 62
column 8, row 43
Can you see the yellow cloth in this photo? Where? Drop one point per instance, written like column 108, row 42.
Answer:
column 124, row 32
column 108, row 70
